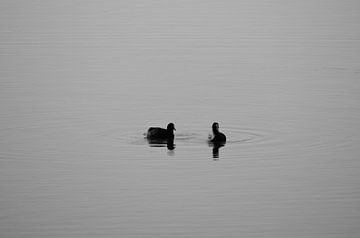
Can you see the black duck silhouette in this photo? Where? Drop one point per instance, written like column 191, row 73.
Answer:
column 217, row 140
column 161, row 134
column 218, row 137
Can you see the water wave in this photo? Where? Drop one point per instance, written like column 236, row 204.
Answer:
column 236, row 136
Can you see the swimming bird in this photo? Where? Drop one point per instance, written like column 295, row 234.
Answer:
column 161, row 134
column 218, row 137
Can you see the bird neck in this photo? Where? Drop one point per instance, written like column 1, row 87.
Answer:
column 216, row 131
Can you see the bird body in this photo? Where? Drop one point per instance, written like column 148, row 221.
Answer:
column 157, row 133
column 218, row 137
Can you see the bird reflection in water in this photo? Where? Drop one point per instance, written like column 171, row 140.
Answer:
column 160, row 137
column 163, row 143
column 216, row 140
column 215, row 149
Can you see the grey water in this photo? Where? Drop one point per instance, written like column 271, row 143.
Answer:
column 81, row 81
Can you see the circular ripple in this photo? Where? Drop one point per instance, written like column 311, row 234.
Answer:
column 238, row 135
column 190, row 137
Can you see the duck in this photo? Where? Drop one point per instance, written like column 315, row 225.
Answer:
column 161, row 134
column 217, row 137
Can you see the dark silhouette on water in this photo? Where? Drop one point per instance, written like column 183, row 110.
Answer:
column 157, row 136
column 157, row 133
column 218, row 137
column 217, row 140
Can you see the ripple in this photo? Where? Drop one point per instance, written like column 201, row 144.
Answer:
column 239, row 135
column 124, row 135
column 236, row 136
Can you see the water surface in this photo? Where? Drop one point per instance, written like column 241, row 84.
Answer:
column 81, row 82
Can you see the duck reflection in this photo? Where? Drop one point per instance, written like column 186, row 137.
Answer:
column 162, row 143
column 216, row 140
column 215, row 149
column 160, row 137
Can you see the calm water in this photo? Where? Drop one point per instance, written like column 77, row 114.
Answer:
column 81, row 81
